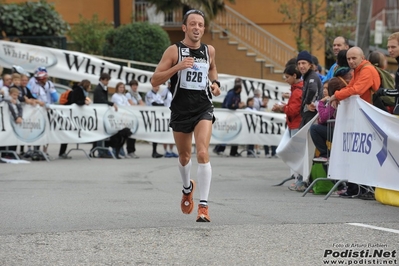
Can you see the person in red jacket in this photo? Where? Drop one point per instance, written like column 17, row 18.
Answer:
column 292, row 109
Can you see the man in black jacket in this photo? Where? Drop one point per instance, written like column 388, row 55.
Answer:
column 100, row 95
column 312, row 87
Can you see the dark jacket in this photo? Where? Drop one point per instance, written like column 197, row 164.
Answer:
column 78, row 95
column 232, row 100
column 101, row 96
column 24, row 92
column 312, row 89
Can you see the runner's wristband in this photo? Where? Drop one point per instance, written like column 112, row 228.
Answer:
column 217, row 82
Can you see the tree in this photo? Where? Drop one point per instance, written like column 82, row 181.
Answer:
column 139, row 41
column 341, row 21
column 306, row 18
column 32, row 19
column 210, row 7
column 89, row 35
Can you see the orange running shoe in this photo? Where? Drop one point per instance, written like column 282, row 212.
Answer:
column 203, row 215
column 187, row 203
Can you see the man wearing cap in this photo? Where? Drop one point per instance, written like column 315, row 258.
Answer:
column 312, row 87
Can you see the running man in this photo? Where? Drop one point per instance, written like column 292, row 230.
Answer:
column 190, row 65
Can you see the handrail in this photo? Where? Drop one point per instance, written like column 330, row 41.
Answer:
column 263, row 43
column 239, row 28
column 129, row 63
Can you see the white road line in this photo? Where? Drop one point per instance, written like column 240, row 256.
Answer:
column 376, row 227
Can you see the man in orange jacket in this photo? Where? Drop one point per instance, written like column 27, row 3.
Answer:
column 365, row 77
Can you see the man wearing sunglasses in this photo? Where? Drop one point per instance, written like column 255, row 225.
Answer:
column 190, row 66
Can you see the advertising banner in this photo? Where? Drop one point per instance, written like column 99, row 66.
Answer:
column 365, row 148
column 76, row 66
column 82, row 124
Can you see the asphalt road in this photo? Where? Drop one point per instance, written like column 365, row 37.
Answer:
column 127, row 212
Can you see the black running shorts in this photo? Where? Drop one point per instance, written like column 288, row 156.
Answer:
column 186, row 124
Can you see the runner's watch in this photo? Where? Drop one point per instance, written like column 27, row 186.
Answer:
column 217, row 82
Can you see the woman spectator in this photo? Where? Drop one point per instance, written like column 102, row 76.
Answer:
column 119, row 98
column 134, row 98
column 292, row 109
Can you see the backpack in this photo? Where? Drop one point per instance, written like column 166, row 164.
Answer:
column 321, row 187
column 387, row 82
column 65, row 98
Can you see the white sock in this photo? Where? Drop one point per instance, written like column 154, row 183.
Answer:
column 185, row 175
column 204, row 175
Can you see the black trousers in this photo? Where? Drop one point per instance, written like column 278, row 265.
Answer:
column 233, row 150
column 63, row 149
column 131, row 145
column 306, row 117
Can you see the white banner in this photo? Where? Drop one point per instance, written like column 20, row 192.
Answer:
column 76, row 66
column 298, row 151
column 365, row 146
column 82, row 124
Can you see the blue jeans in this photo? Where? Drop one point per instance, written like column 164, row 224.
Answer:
column 319, row 137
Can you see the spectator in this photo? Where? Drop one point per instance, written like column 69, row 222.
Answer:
column 232, row 101
column 318, row 132
column 79, row 96
column 44, row 91
column 134, row 98
column 312, row 87
column 167, row 99
column 393, row 50
column 259, row 101
column 153, row 98
column 365, row 77
column 27, row 97
column 251, row 107
column 7, row 80
column 317, row 68
column 15, row 109
column 14, row 105
column 292, row 109
column 80, row 93
column 119, row 98
column 133, row 93
column 101, row 96
column 340, row 43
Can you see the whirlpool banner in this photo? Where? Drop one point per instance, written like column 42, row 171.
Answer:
column 76, row 66
column 75, row 124
column 365, row 147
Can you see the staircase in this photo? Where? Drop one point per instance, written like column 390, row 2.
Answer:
column 235, row 30
column 256, row 41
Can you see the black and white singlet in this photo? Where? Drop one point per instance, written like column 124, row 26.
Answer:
column 190, row 87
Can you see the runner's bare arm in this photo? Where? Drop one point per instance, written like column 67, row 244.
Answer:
column 213, row 73
column 167, row 67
